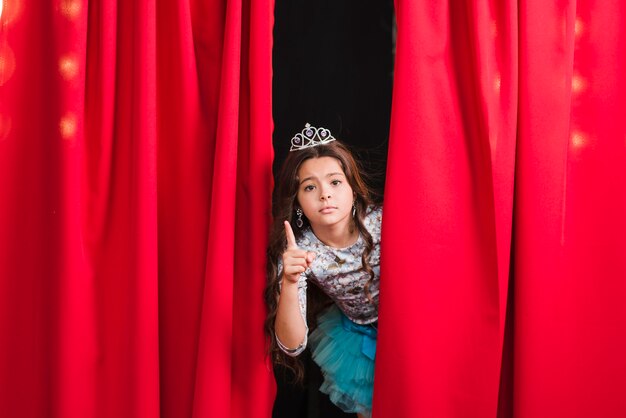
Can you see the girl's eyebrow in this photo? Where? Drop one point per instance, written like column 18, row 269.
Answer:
column 327, row 175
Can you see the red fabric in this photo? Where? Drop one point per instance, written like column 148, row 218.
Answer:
column 135, row 180
column 569, row 334
column 507, row 137
column 441, row 295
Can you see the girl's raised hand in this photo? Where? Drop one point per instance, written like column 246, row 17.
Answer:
column 295, row 260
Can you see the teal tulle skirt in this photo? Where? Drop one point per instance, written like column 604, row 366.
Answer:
column 345, row 352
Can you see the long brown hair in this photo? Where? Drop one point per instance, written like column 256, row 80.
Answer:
column 284, row 209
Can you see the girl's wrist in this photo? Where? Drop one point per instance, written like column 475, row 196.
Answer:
column 288, row 283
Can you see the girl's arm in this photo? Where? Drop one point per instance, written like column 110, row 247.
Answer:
column 290, row 325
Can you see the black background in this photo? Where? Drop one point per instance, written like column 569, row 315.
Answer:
column 333, row 67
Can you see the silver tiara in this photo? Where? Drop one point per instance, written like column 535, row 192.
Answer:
column 310, row 137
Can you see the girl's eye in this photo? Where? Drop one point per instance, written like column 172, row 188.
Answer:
column 335, row 182
column 308, row 188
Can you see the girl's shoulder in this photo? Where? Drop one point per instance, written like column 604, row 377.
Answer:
column 374, row 209
column 373, row 218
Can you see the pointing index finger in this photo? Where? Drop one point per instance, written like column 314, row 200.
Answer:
column 291, row 238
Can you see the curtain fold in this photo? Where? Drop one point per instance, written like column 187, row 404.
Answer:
column 502, row 269
column 445, row 256
column 569, row 322
column 136, row 182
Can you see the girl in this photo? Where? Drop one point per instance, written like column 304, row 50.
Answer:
column 326, row 232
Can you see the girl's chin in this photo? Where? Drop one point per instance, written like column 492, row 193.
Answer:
column 330, row 219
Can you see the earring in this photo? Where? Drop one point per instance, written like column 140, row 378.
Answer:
column 353, row 208
column 299, row 220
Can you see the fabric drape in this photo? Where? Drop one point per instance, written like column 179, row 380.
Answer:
column 441, row 212
column 135, row 181
column 504, row 206
column 569, row 273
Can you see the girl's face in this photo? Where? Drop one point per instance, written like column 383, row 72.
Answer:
column 324, row 193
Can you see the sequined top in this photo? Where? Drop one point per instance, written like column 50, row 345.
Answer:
column 338, row 272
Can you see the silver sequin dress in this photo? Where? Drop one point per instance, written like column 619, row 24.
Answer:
column 338, row 272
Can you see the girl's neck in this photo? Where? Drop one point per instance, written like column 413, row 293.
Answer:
column 337, row 236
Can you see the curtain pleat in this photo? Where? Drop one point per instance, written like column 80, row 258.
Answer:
column 502, row 269
column 569, row 322
column 138, row 195
column 441, row 281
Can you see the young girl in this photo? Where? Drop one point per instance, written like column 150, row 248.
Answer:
column 326, row 232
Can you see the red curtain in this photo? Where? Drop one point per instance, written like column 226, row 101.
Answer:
column 135, row 181
column 504, row 264
column 569, row 316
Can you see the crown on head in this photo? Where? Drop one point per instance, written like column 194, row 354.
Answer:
column 310, row 137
